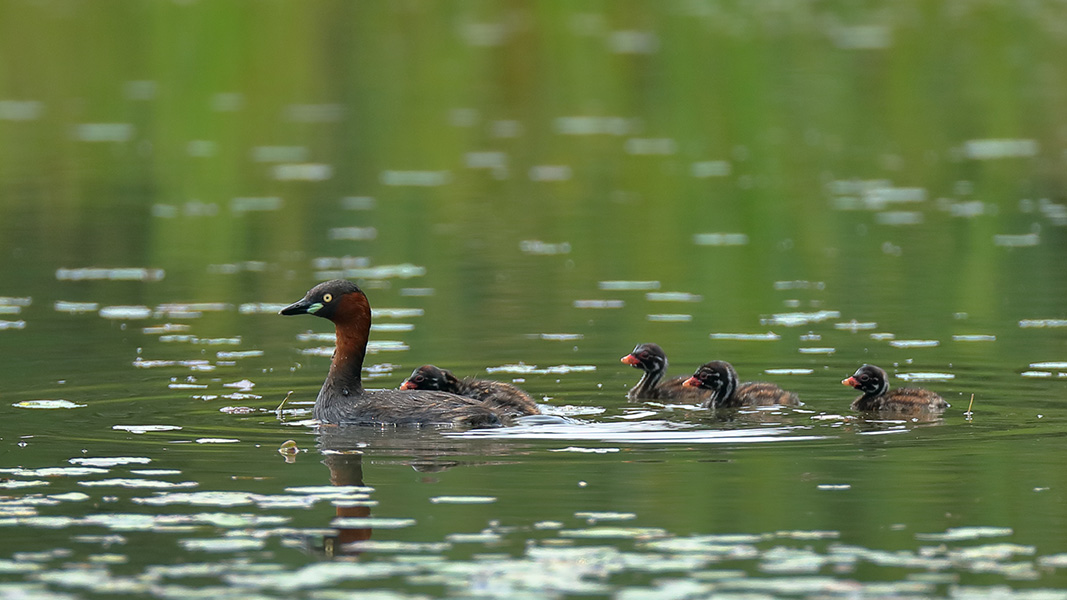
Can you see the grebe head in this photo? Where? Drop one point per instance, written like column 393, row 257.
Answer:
column 329, row 300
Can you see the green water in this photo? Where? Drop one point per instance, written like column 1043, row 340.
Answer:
column 539, row 187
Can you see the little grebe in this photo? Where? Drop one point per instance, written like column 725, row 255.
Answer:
column 874, row 383
column 342, row 398
column 721, row 378
column 651, row 359
column 503, row 397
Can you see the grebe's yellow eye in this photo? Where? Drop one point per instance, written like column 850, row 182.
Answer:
column 327, row 298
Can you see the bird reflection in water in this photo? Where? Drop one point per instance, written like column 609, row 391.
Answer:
column 424, row 450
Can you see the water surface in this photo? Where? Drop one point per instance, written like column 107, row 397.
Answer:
column 526, row 193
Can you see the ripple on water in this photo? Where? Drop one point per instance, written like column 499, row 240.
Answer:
column 955, row 534
column 586, row 450
column 640, row 432
column 628, row 285
column 321, row 575
column 145, row 428
column 558, row 337
column 55, row 471
column 914, row 343
column 974, row 338
column 599, row 304
column 1040, row 323
column 747, row 337
column 138, row 483
column 109, row 461
column 794, row 319
column 119, row 274
column 925, row 376
column 260, row 308
column 222, row 544
column 673, row 297
column 1058, row 365
column 855, row 325
column 47, row 404
column 371, row 523
column 522, row 368
column 637, row 533
column 720, row 239
column 125, row 312
column 670, row 318
column 76, row 307
column 397, row 313
column 593, row 516
column 463, row 499
column 789, row 371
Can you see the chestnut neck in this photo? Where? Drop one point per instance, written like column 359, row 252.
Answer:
column 351, row 321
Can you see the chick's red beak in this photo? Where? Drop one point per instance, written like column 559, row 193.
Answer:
column 691, row 382
column 631, row 360
column 407, row 385
column 851, row 381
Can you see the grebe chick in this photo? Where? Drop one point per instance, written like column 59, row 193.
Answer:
column 874, row 383
column 503, row 397
column 721, row 379
column 651, row 359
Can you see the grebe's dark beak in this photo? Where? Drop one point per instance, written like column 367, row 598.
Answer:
column 301, row 307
